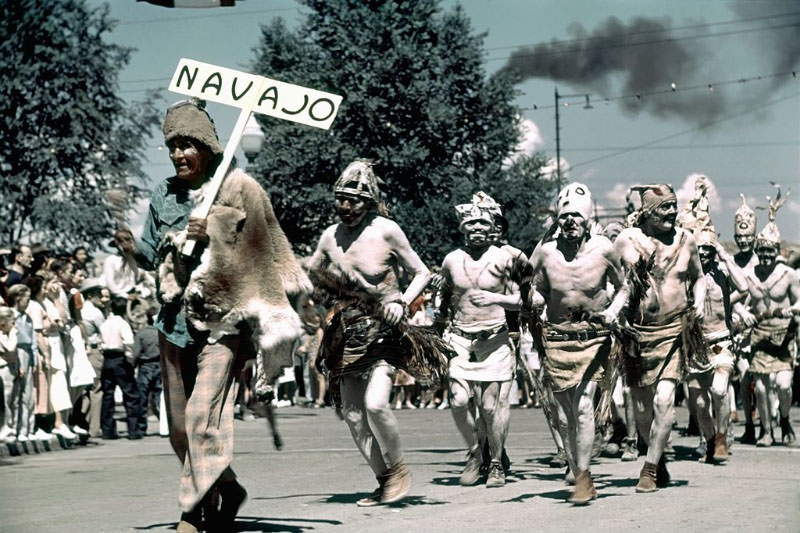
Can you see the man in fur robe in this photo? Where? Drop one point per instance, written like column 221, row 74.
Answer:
column 229, row 295
column 664, row 271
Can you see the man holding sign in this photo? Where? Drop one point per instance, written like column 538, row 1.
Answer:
column 216, row 298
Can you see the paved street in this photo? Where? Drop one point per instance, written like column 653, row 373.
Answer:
column 313, row 483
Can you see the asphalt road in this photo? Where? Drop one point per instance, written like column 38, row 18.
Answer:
column 313, row 483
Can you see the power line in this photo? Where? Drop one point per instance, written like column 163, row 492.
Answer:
column 690, row 146
column 655, row 41
column 215, row 15
column 711, row 86
column 646, row 32
column 684, row 132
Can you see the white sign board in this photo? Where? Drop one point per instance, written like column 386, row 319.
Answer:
column 255, row 93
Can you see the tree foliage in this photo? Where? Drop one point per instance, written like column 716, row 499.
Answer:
column 416, row 99
column 71, row 151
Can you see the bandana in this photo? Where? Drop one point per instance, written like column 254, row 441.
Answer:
column 188, row 118
column 655, row 195
column 575, row 198
column 744, row 220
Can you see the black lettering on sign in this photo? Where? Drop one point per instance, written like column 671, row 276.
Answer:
column 190, row 77
column 214, row 81
column 314, row 105
column 233, row 89
column 305, row 103
column 270, row 94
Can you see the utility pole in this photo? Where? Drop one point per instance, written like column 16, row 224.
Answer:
column 558, row 97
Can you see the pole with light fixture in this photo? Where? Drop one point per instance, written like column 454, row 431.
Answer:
column 252, row 140
column 558, row 97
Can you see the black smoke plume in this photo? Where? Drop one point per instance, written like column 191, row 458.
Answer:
column 645, row 56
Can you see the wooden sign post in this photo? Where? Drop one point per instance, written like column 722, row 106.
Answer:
column 252, row 94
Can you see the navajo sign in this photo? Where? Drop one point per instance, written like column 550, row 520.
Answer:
column 256, row 93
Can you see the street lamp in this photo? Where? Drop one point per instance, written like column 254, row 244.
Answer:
column 252, row 140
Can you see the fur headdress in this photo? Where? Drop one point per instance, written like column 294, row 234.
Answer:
column 188, row 118
column 359, row 179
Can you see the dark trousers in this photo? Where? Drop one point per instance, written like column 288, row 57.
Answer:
column 117, row 371
column 149, row 382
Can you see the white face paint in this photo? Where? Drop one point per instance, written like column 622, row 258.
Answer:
column 351, row 209
column 478, row 232
column 573, row 226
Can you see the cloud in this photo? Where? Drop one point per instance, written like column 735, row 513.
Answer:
column 531, row 140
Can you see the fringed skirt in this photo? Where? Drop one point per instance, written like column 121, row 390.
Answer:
column 657, row 355
column 772, row 347
column 568, row 363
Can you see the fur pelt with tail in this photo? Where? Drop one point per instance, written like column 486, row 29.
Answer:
column 244, row 274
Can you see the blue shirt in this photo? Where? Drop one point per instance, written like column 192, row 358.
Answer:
column 170, row 206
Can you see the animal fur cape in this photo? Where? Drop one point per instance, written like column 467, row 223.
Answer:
column 244, row 273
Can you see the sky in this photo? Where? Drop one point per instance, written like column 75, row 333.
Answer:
column 695, row 87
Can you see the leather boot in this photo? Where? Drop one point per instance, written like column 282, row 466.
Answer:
column 647, row 478
column 584, row 491
column 787, row 433
column 749, row 435
column 662, row 474
column 398, row 483
column 711, row 445
column 721, row 447
column 472, row 470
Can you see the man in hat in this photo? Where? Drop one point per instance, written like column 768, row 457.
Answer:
column 744, row 234
column 663, row 270
column 708, row 385
column 775, row 293
column 476, row 293
column 572, row 273
column 365, row 252
column 96, row 301
column 235, row 284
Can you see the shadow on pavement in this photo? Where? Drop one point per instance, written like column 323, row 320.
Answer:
column 258, row 523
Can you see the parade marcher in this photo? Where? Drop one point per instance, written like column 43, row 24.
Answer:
column 212, row 305
column 775, row 292
column 744, row 235
column 475, row 296
column 362, row 346
column 572, row 273
column 664, row 272
column 708, row 386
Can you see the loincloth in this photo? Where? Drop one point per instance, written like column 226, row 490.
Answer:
column 574, row 355
column 720, row 346
column 657, row 355
column 481, row 355
column 773, row 348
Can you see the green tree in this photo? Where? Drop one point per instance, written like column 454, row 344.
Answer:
column 71, row 150
column 416, row 99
